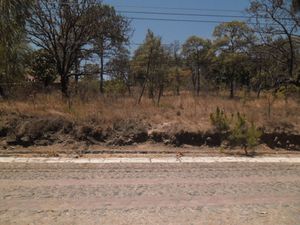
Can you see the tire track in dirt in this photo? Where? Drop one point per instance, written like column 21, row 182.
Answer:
column 143, row 202
column 218, row 193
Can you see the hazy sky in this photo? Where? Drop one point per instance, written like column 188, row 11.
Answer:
column 171, row 31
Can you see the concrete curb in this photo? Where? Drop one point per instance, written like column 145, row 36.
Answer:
column 152, row 160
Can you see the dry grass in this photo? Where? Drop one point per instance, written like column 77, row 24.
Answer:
column 186, row 110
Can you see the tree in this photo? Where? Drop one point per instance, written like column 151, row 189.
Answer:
column 195, row 51
column 232, row 41
column 119, row 68
column 13, row 16
column 266, row 71
column 111, row 32
column 91, row 71
column 175, row 65
column 277, row 24
column 296, row 5
column 149, row 65
column 12, row 66
column 63, row 29
column 43, row 67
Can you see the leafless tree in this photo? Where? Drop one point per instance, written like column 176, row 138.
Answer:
column 62, row 28
column 277, row 24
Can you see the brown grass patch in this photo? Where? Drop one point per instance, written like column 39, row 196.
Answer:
column 188, row 111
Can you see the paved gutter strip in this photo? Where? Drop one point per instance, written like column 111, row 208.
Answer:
column 151, row 160
column 166, row 160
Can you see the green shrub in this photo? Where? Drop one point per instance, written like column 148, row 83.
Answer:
column 253, row 136
column 238, row 131
column 219, row 120
column 115, row 87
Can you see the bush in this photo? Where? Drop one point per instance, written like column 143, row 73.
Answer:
column 253, row 136
column 220, row 121
column 244, row 133
column 238, row 131
column 115, row 87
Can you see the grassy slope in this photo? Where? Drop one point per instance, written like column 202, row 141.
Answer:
column 175, row 112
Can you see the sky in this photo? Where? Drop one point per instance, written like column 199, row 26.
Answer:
column 170, row 30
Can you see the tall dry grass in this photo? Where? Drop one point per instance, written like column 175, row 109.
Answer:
column 186, row 110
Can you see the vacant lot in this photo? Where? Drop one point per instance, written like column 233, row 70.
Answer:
column 45, row 120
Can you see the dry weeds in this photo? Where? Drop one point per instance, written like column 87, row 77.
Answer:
column 187, row 111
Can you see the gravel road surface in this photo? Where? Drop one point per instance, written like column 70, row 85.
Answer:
column 187, row 193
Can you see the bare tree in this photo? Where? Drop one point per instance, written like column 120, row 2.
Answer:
column 277, row 24
column 62, row 28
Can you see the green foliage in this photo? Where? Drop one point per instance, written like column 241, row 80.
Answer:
column 219, row 120
column 43, row 67
column 118, row 67
column 253, row 136
column 238, row 131
column 149, row 58
column 12, row 62
column 13, row 15
column 195, row 50
column 115, row 86
column 88, row 88
column 232, row 41
column 150, row 66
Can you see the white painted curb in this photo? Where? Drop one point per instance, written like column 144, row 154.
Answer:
column 152, row 160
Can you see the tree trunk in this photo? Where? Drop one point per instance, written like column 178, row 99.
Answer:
column 198, row 80
column 76, row 76
column 194, row 81
column 7, row 74
column 101, row 72
column 2, row 93
column 259, row 91
column 128, row 89
column 177, row 90
column 231, row 88
column 142, row 92
column 64, row 86
column 151, row 91
column 147, row 76
column 291, row 60
column 232, row 78
column 76, row 83
column 177, row 82
column 260, row 81
column 160, row 93
column 46, row 82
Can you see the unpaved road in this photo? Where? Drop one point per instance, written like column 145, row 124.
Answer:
column 191, row 193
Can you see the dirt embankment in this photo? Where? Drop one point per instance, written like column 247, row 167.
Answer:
column 23, row 130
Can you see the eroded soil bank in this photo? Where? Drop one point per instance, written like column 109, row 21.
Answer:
column 28, row 131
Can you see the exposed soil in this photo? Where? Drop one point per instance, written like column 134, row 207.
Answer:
column 190, row 193
column 22, row 130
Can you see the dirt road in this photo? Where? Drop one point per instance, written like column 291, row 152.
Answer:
column 191, row 193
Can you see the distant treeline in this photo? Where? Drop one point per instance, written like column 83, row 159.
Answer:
column 72, row 42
